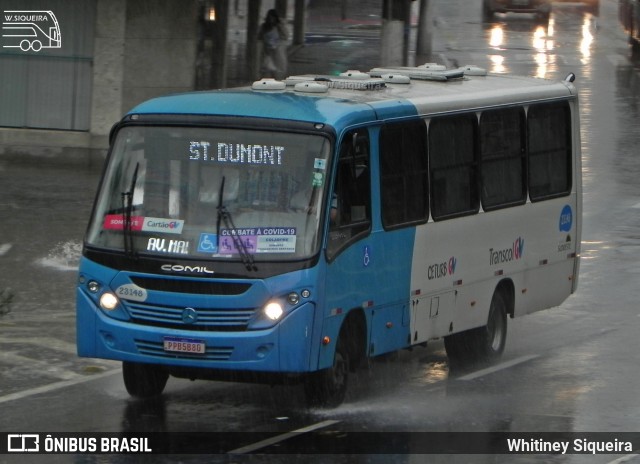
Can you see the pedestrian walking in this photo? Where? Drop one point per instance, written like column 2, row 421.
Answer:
column 6, row 295
column 273, row 35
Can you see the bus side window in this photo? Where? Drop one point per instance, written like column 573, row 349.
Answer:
column 404, row 183
column 503, row 162
column 352, row 195
column 454, row 176
column 550, row 173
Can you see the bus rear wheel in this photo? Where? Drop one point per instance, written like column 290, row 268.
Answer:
column 492, row 338
column 328, row 387
column 144, row 380
column 484, row 343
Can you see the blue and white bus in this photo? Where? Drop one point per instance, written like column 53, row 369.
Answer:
column 291, row 230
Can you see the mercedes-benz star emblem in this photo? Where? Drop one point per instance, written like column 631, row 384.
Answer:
column 189, row 316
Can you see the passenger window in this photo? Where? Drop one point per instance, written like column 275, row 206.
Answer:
column 454, row 177
column 502, row 158
column 549, row 150
column 351, row 200
column 404, row 174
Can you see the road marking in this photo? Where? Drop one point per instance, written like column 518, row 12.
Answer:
column 55, row 386
column 498, row 367
column 626, row 458
column 4, row 248
column 44, row 342
column 279, row 438
column 41, row 366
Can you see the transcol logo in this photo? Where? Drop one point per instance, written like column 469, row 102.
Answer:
column 30, row 30
column 507, row 254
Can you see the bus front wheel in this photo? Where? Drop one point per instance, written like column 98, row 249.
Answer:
column 327, row 388
column 144, row 380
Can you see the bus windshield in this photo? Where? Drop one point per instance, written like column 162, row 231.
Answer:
column 202, row 193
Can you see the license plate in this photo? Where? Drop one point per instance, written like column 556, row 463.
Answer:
column 184, row 345
column 521, row 2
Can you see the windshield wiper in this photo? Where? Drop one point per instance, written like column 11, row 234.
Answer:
column 127, row 209
column 224, row 216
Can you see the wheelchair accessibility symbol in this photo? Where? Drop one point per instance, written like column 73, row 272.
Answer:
column 208, row 243
column 366, row 256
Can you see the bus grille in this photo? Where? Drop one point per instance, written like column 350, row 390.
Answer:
column 190, row 286
column 212, row 353
column 208, row 319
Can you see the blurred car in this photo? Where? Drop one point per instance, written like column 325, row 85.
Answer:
column 540, row 7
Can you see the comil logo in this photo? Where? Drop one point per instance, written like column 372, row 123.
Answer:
column 30, row 30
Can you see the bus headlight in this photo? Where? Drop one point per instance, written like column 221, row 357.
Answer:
column 273, row 311
column 108, row 301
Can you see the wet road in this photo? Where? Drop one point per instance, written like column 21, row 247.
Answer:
column 573, row 368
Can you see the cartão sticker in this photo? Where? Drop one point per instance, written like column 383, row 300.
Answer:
column 167, row 226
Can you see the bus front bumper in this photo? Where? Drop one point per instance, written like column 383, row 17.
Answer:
column 283, row 348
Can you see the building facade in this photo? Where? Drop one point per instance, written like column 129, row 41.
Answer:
column 69, row 69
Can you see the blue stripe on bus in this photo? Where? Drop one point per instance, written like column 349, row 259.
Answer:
column 290, row 106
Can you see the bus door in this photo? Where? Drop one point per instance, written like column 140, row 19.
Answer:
column 360, row 273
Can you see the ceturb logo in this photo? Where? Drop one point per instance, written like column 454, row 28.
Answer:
column 444, row 269
column 30, row 30
column 507, row 254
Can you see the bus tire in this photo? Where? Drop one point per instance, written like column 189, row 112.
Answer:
column 144, row 380
column 328, row 387
column 484, row 343
column 491, row 339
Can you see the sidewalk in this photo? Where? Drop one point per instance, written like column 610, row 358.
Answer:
column 332, row 44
